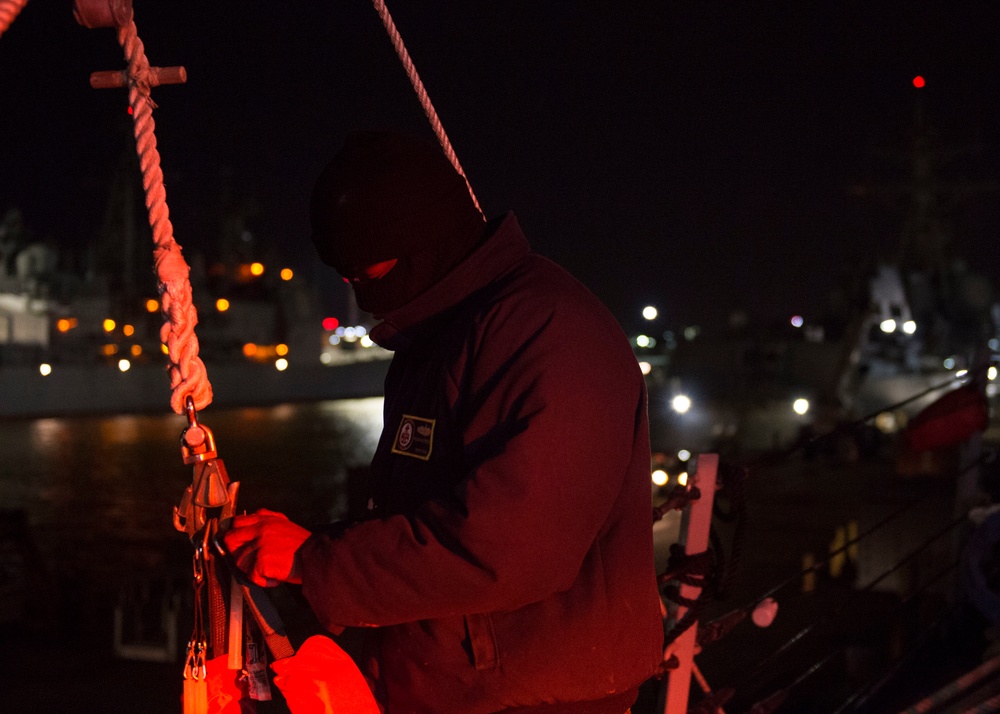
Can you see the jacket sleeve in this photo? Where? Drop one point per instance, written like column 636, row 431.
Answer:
column 552, row 408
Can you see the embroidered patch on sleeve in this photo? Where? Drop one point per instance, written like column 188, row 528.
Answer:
column 414, row 437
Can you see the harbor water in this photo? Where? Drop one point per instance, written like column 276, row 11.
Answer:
column 99, row 543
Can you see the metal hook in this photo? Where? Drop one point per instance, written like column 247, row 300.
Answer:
column 192, row 415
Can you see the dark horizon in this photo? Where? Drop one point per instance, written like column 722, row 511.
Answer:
column 696, row 158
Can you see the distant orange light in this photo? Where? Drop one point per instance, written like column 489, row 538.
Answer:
column 249, row 349
column 109, row 350
column 281, row 350
column 222, row 304
column 330, row 323
column 256, row 268
column 109, row 325
column 136, row 350
column 152, row 305
column 164, row 349
column 128, row 330
column 919, row 82
column 286, row 273
column 63, row 325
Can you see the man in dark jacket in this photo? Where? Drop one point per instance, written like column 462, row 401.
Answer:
column 507, row 564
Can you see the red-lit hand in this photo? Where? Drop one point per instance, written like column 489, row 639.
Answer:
column 265, row 546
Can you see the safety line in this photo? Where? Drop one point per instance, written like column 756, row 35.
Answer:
column 843, row 648
column 809, row 628
column 425, row 100
column 870, row 689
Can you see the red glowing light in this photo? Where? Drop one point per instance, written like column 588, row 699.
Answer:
column 918, row 82
column 330, row 323
column 130, row 110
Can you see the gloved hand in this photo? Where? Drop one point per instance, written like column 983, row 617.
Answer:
column 265, row 546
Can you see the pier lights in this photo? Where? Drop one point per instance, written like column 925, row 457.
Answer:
column 660, row 477
column 645, row 367
column 152, row 305
column 991, row 373
column 287, row 274
column 45, row 369
column 681, row 403
column 281, row 364
column 800, row 406
column 256, row 269
column 644, row 341
column 649, row 312
column 682, row 478
column 109, row 325
column 222, row 304
column 888, row 326
column 124, row 365
column 797, row 321
column 683, row 455
column 909, row 327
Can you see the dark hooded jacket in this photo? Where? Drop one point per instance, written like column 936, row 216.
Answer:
column 508, row 565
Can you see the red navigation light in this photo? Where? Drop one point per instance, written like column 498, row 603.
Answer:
column 918, row 82
column 130, row 109
column 330, row 323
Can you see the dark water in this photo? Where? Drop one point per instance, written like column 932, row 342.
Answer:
column 98, row 494
column 99, row 491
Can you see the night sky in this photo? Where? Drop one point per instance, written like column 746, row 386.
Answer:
column 697, row 156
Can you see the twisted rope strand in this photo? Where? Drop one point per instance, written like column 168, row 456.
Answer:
column 425, row 100
column 9, row 10
column 187, row 371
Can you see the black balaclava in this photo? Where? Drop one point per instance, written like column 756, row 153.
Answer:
column 391, row 196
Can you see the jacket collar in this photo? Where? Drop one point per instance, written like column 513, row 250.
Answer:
column 504, row 247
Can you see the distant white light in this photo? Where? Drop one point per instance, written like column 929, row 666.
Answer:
column 797, row 321
column 681, row 403
column 642, row 340
column 367, row 341
column 45, row 369
column 326, row 358
column 961, row 373
column 360, row 330
column 339, row 332
column 650, row 312
column 124, row 365
column 949, row 363
column 888, row 326
column 645, row 367
column 334, row 340
column 994, row 343
column 281, row 364
column 660, row 477
column 909, row 327
column 691, row 332
column 886, row 422
column 683, row 454
column 682, row 478
column 350, row 332
column 800, row 406
column 991, row 373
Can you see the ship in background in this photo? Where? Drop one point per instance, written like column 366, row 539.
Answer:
column 80, row 330
column 908, row 322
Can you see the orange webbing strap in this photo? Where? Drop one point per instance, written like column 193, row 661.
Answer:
column 9, row 10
